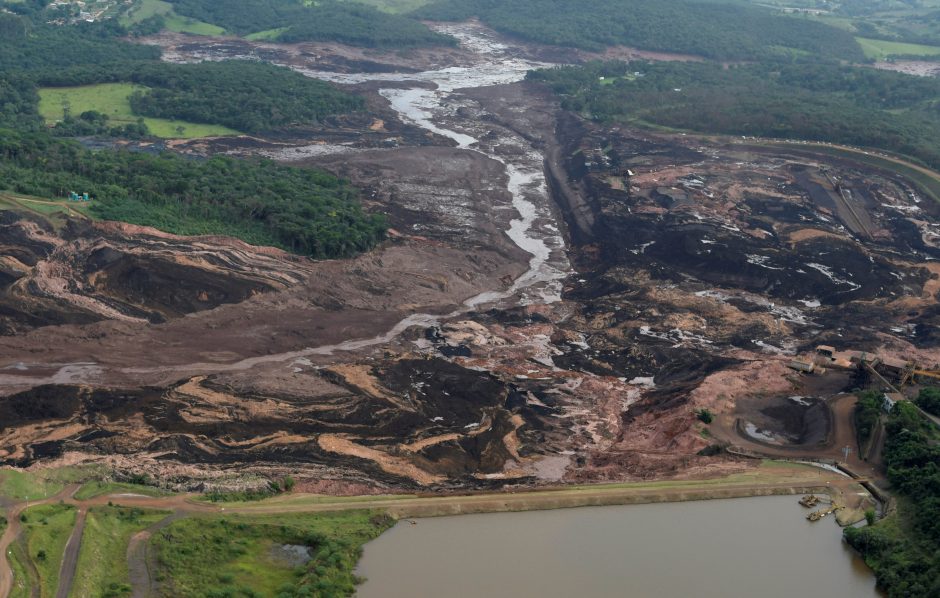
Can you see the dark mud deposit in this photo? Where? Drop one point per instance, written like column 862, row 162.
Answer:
column 539, row 314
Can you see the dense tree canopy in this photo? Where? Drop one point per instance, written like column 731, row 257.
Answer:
column 247, row 96
column 325, row 20
column 811, row 101
column 715, row 30
column 929, row 400
column 904, row 550
column 301, row 210
column 43, row 50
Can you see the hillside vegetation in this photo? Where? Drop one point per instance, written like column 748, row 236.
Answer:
column 221, row 556
column 249, row 96
column 811, row 101
column 301, row 210
column 325, row 20
column 904, row 549
column 713, row 30
column 105, row 109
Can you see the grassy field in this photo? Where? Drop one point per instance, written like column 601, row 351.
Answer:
column 42, row 483
column 266, row 35
column 179, row 24
column 21, row 586
column 395, row 6
column 112, row 99
column 771, row 472
column 880, row 49
column 236, row 555
column 286, row 500
column 53, row 211
column 45, row 534
column 97, row 488
column 144, row 9
column 102, row 562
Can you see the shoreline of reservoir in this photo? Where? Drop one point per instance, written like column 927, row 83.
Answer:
column 710, row 548
column 768, row 479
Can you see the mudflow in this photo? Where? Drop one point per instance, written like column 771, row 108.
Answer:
column 554, row 302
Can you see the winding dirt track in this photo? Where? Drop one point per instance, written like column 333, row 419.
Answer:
column 70, row 557
column 138, row 557
column 14, row 528
column 771, row 481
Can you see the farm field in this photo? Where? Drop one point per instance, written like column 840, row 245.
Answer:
column 881, row 49
column 149, row 8
column 112, row 99
column 396, row 6
column 266, row 35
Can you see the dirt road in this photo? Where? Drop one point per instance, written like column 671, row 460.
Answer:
column 841, row 435
column 13, row 530
column 138, row 558
column 70, row 557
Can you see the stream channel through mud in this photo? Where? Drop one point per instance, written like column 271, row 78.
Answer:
column 436, row 107
column 719, row 548
column 434, row 103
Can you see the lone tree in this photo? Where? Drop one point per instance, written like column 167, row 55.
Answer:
column 704, row 416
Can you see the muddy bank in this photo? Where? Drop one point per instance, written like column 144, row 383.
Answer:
column 556, row 301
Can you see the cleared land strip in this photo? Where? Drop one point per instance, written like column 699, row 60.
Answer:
column 70, row 558
column 764, row 481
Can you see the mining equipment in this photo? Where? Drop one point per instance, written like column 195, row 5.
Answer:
column 935, row 374
column 809, row 501
column 817, row 515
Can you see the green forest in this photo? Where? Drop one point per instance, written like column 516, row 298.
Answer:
column 808, row 101
column 326, row 20
column 929, row 400
column 301, row 210
column 904, row 549
column 714, row 30
column 249, row 96
column 246, row 96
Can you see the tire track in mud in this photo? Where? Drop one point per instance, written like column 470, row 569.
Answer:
column 139, row 558
column 70, row 558
column 12, row 534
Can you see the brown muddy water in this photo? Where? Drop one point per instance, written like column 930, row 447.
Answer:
column 744, row 547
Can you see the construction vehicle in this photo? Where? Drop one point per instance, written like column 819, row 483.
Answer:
column 817, row 515
column 809, row 501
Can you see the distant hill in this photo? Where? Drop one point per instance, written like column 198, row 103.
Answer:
column 326, row 20
column 713, row 30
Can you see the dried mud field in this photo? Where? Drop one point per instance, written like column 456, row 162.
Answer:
column 555, row 301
